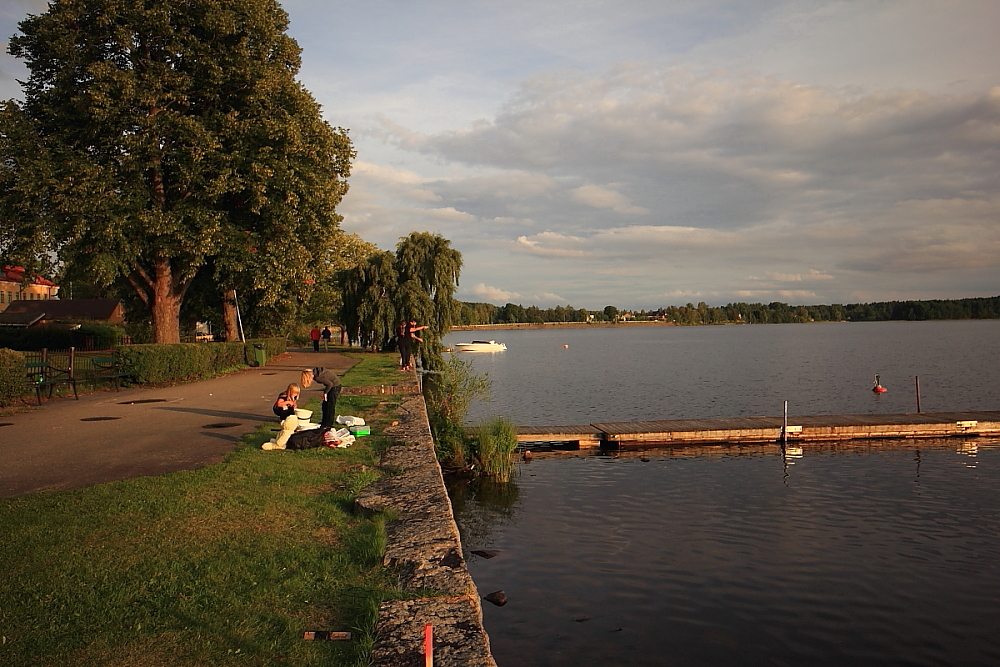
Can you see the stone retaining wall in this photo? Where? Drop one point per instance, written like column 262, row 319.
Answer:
column 424, row 547
column 409, row 388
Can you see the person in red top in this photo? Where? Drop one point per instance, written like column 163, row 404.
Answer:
column 314, row 335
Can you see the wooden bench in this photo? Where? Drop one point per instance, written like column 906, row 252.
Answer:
column 43, row 374
column 107, row 368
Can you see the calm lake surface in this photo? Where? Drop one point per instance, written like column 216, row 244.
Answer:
column 868, row 554
column 885, row 557
column 649, row 373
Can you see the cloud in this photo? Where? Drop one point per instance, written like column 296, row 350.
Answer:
column 548, row 244
column 493, row 294
column 598, row 197
column 813, row 274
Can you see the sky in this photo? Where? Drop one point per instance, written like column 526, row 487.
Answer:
column 653, row 153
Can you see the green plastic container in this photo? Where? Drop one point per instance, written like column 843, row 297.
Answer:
column 360, row 430
column 259, row 354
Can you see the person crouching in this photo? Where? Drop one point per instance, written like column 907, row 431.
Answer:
column 284, row 408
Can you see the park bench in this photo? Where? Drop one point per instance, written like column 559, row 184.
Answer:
column 108, row 368
column 43, row 374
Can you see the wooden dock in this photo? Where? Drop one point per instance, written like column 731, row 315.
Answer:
column 817, row 428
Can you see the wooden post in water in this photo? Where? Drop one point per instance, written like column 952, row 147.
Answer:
column 916, row 381
column 784, row 428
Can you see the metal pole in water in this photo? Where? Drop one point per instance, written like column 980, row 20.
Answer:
column 784, row 427
column 916, row 381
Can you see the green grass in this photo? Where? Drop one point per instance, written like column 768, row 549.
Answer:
column 374, row 369
column 225, row 565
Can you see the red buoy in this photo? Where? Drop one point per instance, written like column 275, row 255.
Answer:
column 878, row 388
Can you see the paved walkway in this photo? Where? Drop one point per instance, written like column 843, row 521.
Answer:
column 183, row 427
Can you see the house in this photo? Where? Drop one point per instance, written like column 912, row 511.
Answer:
column 30, row 313
column 13, row 290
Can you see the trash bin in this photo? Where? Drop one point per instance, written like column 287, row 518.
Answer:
column 259, row 354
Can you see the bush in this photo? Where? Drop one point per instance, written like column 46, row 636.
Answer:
column 494, row 447
column 167, row 362
column 449, row 393
column 13, row 381
column 182, row 361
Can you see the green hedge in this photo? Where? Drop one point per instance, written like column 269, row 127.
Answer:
column 13, row 381
column 184, row 361
column 60, row 337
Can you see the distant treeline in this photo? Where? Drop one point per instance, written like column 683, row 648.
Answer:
column 746, row 313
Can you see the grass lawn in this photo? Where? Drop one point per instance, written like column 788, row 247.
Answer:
column 226, row 565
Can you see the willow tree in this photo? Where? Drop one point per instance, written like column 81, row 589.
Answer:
column 428, row 270
column 418, row 282
column 156, row 139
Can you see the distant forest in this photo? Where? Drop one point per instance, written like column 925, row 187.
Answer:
column 742, row 313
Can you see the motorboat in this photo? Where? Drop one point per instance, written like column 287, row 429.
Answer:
column 480, row 346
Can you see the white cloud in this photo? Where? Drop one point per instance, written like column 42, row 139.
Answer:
column 493, row 294
column 548, row 244
column 813, row 274
column 598, row 197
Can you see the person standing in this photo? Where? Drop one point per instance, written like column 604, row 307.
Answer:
column 409, row 340
column 326, row 334
column 404, row 345
column 331, row 390
column 314, row 335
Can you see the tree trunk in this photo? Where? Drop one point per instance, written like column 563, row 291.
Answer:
column 229, row 318
column 166, row 304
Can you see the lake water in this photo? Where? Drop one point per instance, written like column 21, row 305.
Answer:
column 881, row 557
column 867, row 553
column 650, row 373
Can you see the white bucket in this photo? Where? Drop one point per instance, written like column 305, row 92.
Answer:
column 303, row 414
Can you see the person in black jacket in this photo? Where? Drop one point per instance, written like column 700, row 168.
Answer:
column 331, row 389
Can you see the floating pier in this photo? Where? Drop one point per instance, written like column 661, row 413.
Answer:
column 816, row 428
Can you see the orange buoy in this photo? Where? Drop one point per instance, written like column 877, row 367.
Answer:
column 878, row 388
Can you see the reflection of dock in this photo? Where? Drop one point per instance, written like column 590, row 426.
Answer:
column 818, row 428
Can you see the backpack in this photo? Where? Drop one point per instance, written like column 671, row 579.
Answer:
column 308, row 439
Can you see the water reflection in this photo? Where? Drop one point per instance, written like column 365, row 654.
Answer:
column 485, row 506
column 875, row 553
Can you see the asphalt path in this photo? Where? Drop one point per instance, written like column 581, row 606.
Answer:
column 137, row 432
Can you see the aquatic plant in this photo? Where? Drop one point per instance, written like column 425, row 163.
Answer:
column 449, row 393
column 494, row 447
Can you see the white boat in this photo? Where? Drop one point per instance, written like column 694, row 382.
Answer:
column 480, row 346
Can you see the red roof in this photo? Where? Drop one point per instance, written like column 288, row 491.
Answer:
column 15, row 274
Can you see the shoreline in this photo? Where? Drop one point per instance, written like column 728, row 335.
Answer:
column 560, row 325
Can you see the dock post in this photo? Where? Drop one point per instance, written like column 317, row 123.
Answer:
column 916, row 381
column 784, row 428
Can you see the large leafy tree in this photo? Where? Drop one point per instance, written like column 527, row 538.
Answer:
column 159, row 139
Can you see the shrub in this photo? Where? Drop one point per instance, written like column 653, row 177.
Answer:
column 494, row 447
column 165, row 362
column 449, row 393
column 181, row 361
column 13, row 382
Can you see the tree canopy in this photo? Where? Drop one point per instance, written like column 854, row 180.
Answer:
column 159, row 140
column 418, row 283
